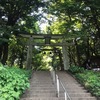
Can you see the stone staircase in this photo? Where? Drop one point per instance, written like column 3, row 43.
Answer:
column 42, row 88
column 74, row 89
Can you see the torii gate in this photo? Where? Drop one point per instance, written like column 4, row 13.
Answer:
column 47, row 42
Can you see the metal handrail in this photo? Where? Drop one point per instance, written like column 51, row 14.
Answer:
column 67, row 97
column 58, row 82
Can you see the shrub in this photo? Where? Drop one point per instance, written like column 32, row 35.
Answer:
column 13, row 81
column 76, row 69
column 89, row 78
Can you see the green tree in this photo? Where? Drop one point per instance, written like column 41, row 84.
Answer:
column 78, row 20
column 10, row 14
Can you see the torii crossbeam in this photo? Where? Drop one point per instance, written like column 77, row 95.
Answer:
column 47, row 38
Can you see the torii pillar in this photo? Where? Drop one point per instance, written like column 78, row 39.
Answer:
column 29, row 53
column 65, row 57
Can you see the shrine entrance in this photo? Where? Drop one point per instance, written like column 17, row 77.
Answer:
column 47, row 40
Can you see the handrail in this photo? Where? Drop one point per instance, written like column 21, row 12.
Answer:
column 57, row 81
column 67, row 97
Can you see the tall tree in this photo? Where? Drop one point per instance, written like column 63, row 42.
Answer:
column 10, row 13
column 78, row 19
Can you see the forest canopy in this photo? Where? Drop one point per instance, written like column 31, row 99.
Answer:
column 77, row 20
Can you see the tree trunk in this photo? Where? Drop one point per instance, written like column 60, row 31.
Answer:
column 88, row 50
column 61, row 61
column 4, row 53
column 77, row 53
column 96, row 22
column 21, row 60
column 12, row 59
column 1, row 50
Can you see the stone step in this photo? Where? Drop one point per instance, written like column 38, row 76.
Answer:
column 40, row 95
column 56, row 98
column 83, row 98
column 41, row 85
column 53, row 94
column 42, row 88
column 41, row 91
column 42, row 98
column 69, row 91
column 80, row 94
column 67, row 87
column 75, row 91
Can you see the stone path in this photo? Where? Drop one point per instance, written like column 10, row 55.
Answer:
column 42, row 88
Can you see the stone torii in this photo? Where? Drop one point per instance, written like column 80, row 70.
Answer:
column 47, row 42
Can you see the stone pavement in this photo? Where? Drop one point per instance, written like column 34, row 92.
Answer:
column 42, row 88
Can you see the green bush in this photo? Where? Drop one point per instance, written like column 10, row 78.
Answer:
column 90, row 79
column 13, row 81
column 76, row 69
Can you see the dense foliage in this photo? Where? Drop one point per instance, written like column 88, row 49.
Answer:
column 17, row 16
column 13, row 82
column 90, row 79
column 76, row 69
column 79, row 21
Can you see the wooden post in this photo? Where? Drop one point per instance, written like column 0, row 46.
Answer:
column 65, row 58
column 29, row 53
